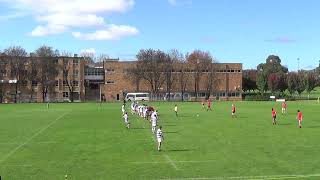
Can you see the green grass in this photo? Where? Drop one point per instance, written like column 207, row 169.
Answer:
column 87, row 141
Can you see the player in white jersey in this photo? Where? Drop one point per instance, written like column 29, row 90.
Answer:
column 145, row 111
column 123, row 109
column 154, row 119
column 159, row 138
column 126, row 120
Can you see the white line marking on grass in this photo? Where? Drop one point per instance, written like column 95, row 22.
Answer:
column 171, row 162
column 151, row 162
column 14, row 143
column 28, row 140
column 272, row 177
column 16, row 165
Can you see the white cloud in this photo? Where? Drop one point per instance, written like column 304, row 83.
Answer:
column 180, row 2
column 173, row 2
column 113, row 32
column 58, row 16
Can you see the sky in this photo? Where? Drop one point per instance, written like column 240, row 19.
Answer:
column 244, row 31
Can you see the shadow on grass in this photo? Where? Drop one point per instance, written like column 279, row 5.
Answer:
column 179, row 150
column 312, row 126
column 171, row 132
column 137, row 128
column 284, row 124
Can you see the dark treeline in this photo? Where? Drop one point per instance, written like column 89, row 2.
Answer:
column 275, row 78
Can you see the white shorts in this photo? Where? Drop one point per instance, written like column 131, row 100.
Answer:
column 159, row 140
column 154, row 124
column 283, row 109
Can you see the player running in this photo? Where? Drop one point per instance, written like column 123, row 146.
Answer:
column 123, row 109
column 299, row 118
column 154, row 119
column 209, row 105
column 274, row 116
column 203, row 106
column 159, row 138
column 126, row 120
column 176, row 110
column 284, row 108
column 233, row 111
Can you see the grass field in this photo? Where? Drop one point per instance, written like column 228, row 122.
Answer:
column 89, row 142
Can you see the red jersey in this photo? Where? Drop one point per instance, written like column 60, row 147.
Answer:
column 209, row 103
column 284, row 105
column 299, row 116
column 274, row 113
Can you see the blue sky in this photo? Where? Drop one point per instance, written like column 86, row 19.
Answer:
column 245, row 31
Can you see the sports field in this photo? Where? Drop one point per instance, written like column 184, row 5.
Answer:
column 90, row 142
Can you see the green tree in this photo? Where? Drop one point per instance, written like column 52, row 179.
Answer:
column 301, row 83
column 292, row 79
column 262, row 83
column 311, row 80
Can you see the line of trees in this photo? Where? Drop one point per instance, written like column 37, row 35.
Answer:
column 163, row 71
column 39, row 68
column 272, row 76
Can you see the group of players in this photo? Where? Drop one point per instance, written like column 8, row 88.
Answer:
column 283, row 112
column 145, row 112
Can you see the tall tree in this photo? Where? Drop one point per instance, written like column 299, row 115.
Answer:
column 311, row 81
column 151, row 65
column 183, row 75
column 32, row 76
column 17, row 61
column 198, row 60
column 272, row 65
column 48, row 70
column 292, row 80
column 69, row 75
column 249, row 80
column 301, row 83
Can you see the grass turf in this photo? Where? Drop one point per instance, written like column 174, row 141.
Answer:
column 89, row 141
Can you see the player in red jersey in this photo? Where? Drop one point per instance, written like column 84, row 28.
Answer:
column 284, row 108
column 299, row 118
column 209, row 105
column 233, row 111
column 274, row 116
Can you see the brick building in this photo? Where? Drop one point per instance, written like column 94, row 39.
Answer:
column 109, row 80
column 227, row 81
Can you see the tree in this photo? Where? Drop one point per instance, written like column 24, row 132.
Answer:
column 32, row 75
column 183, row 75
column 249, row 80
column 198, row 60
column 17, row 62
column 292, row 80
column 47, row 70
column 69, row 74
column 3, row 73
column 277, row 82
column 301, row 83
column 311, row 81
column 173, row 57
column 262, row 83
column 151, row 66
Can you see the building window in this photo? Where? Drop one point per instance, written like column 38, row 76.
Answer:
column 3, row 72
column 75, row 62
column 75, row 73
column 34, row 83
column 65, row 83
column 65, row 94
column 110, row 82
column 76, row 83
column 110, row 70
column 65, row 73
column 57, row 83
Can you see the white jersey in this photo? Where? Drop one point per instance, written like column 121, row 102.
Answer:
column 122, row 108
column 159, row 134
column 176, row 109
column 154, row 121
column 125, row 116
